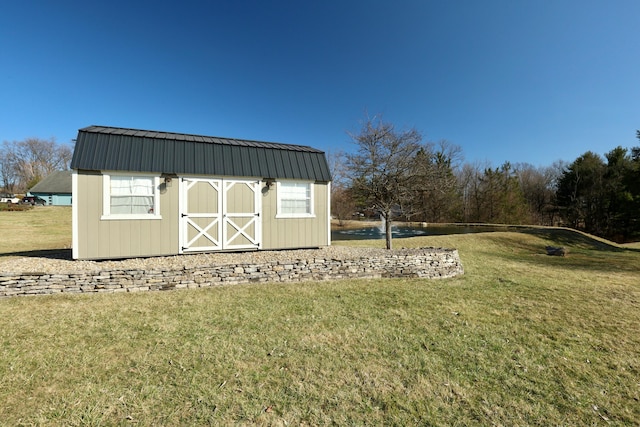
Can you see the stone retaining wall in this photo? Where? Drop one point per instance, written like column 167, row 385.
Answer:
column 425, row 263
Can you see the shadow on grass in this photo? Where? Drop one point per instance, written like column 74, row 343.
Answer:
column 573, row 238
column 584, row 252
column 64, row 254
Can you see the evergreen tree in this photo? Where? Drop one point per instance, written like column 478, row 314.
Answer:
column 579, row 193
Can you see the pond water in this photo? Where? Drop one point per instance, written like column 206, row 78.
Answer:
column 400, row 231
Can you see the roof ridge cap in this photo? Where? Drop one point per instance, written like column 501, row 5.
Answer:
column 94, row 129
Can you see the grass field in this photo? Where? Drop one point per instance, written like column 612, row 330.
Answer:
column 36, row 229
column 520, row 339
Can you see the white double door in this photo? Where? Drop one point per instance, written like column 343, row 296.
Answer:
column 219, row 214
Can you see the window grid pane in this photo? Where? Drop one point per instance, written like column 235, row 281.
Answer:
column 132, row 195
column 295, row 198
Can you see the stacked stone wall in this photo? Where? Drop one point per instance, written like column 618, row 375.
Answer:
column 427, row 263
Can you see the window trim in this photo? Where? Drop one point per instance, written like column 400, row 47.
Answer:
column 106, row 197
column 280, row 214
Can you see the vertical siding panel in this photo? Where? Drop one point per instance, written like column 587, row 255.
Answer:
column 82, row 218
column 309, row 239
column 124, row 240
column 326, row 216
column 155, row 237
column 146, row 246
column 153, row 240
column 306, row 236
column 299, row 235
column 104, row 249
column 269, row 217
column 82, row 229
column 320, row 209
column 292, row 233
column 285, row 236
column 136, row 237
column 294, row 238
column 311, row 232
column 92, row 212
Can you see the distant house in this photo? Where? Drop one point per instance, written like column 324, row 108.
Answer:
column 55, row 189
column 146, row 193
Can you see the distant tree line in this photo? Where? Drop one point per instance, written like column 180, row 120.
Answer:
column 24, row 163
column 395, row 175
column 602, row 196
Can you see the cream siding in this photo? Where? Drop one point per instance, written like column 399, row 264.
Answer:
column 101, row 239
column 283, row 233
column 96, row 238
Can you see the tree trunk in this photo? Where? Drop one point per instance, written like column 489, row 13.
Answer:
column 387, row 229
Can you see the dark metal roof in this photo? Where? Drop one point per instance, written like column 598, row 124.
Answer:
column 56, row 182
column 101, row 148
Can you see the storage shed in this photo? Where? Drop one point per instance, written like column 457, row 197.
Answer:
column 143, row 193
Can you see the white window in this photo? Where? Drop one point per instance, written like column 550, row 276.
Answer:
column 130, row 197
column 295, row 199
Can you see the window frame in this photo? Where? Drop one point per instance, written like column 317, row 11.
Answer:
column 279, row 190
column 106, row 197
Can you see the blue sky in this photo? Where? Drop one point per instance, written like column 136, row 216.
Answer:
column 507, row 80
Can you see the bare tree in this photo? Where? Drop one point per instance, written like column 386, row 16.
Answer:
column 381, row 170
column 30, row 160
column 342, row 201
column 8, row 169
column 538, row 187
column 337, row 161
column 469, row 182
column 343, row 205
column 65, row 154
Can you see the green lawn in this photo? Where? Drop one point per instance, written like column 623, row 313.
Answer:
column 35, row 229
column 520, row 339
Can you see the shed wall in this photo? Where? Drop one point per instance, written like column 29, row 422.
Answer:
column 286, row 233
column 97, row 238
column 100, row 239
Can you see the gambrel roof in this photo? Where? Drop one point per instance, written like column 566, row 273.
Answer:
column 101, row 148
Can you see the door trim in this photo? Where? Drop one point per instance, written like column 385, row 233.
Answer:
column 222, row 219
